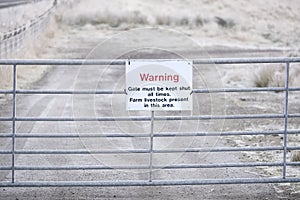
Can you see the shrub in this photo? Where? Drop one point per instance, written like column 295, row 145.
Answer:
column 198, row 21
column 184, row 21
column 268, row 76
column 163, row 20
column 110, row 18
column 263, row 77
column 225, row 23
column 137, row 18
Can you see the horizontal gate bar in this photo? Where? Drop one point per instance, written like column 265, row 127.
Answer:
column 6, row 91
column 157, row 118
column 160, row 118
column 78, row 119
column 130, row 151
column 123, row 61
column 246, row 60
column 6, row 118
column 216, row 117
column 146, row 183
column 70, row 92
column 130, row 135
column 60, row 62
column 204, row 90
column 220, row 90
column 219, row 149
column 254, row 89
column 293, row 115
column 179, row 166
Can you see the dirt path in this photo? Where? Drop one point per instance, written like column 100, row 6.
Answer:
column 77, row 44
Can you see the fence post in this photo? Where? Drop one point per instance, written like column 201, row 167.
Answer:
column 286, row 106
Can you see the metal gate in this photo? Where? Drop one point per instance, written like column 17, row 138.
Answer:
column 13, row 168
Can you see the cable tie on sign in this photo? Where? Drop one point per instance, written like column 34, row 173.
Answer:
column 125, row 92
column 128, row 60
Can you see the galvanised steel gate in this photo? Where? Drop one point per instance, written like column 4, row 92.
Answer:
column 152, row 118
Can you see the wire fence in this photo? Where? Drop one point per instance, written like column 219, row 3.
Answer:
column 15, row 40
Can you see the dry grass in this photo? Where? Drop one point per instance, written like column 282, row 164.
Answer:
column 263, row 77
column 295, row 75
column 271, row 76
column 266, row 76
column 5, row 77
column 296, row 156
column 110, row 18
column 134, row 17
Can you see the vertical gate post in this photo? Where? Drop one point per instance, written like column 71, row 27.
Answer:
column 151, row 147
column 286, row 106
column 13, row 124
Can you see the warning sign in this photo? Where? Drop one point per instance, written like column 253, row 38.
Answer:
column 159, row 85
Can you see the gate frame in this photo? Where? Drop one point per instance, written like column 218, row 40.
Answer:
column 150, row 182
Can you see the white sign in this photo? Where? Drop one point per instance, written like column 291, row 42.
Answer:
column 159, row 85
